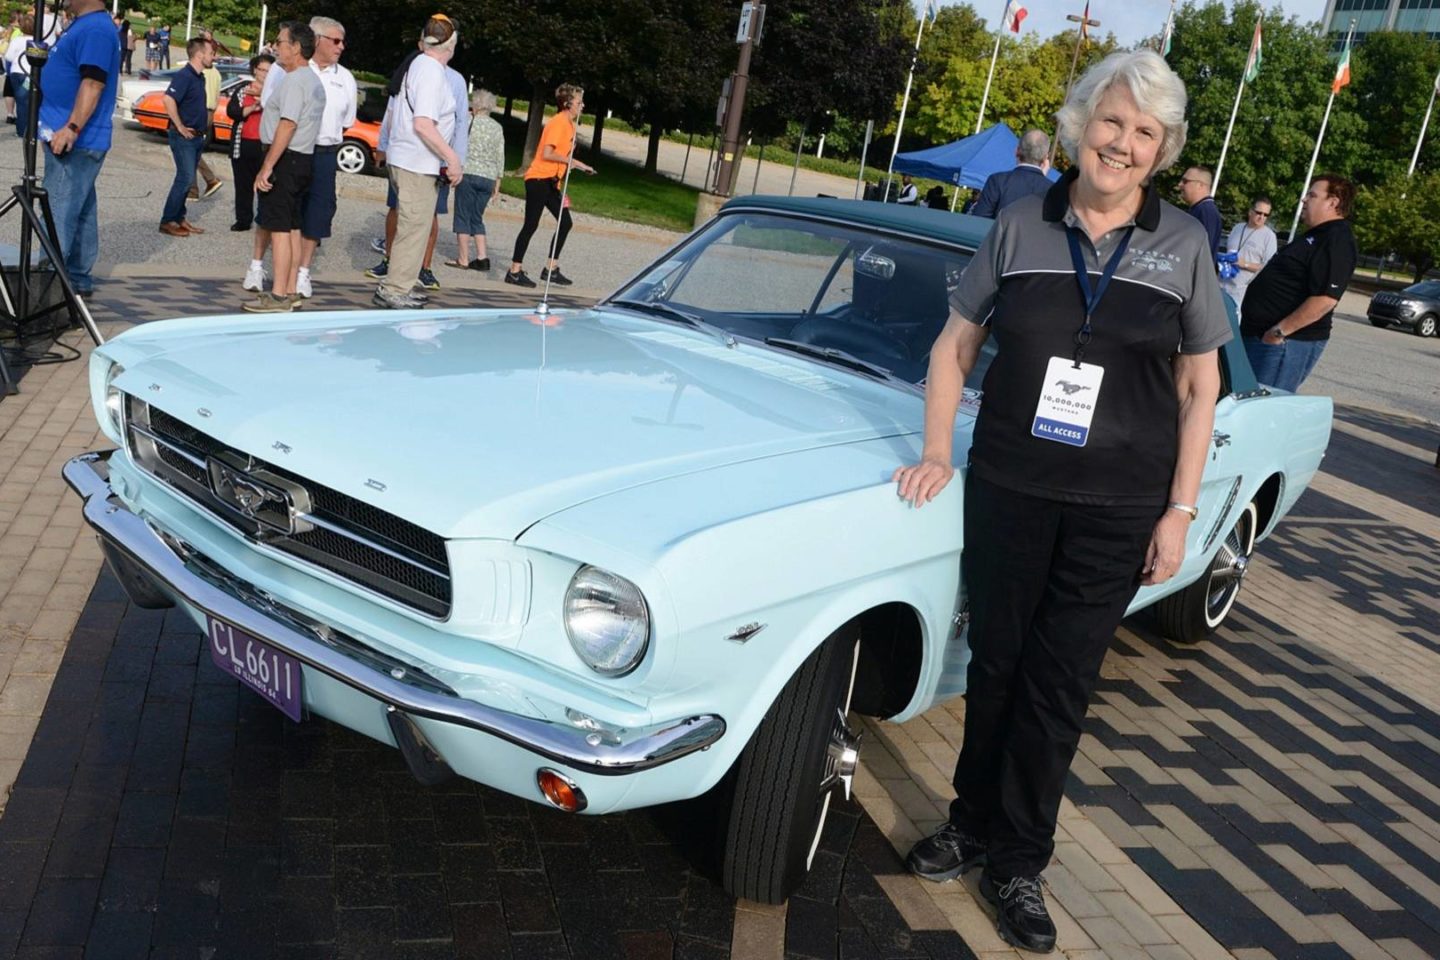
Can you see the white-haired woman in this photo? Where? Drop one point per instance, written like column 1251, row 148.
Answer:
column 484, row 164
column 1085, row 465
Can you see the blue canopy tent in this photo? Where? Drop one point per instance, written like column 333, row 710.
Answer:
column 965, row 163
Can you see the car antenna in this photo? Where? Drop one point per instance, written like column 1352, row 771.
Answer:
column 544, row 307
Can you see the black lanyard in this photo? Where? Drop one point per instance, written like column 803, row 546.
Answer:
column 1082, row 277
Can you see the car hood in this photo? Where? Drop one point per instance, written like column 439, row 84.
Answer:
column 480, row 423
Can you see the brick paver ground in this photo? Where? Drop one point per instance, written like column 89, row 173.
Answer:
column 1267, row 794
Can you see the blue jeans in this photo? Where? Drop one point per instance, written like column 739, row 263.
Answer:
column 187, row 156
column 20, row 87
column 70, row 181
column 1285, row 366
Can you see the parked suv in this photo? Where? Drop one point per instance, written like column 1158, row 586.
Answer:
column 1416, row 307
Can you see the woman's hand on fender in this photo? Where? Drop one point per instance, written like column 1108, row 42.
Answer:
column 923, row 482
column 1167, row 548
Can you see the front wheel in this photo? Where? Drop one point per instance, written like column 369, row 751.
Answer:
column 352, row 157
column 783, row 782
column 1192, row 614
column 1425, row 326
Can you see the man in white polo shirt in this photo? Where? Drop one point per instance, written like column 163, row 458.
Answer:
column 421, row 121
column 341, row 97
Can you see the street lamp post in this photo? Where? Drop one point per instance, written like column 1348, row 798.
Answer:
column 1085, row 23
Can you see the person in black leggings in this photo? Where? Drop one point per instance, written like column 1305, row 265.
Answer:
column 543, row 182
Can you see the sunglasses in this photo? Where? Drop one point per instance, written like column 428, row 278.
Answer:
column 1261, row 213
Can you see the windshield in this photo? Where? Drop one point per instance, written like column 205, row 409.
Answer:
column 878, row 298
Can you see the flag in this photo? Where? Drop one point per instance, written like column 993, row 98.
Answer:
column 1015, row 12
column 1085, row 23
column 1342, row 71
column 1169, row 30
column 1252, row 63
column 932, row 9
column 1437, row 83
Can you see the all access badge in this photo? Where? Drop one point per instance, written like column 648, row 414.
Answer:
column 1068, row 396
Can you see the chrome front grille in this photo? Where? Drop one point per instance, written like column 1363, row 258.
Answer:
column 326, row 528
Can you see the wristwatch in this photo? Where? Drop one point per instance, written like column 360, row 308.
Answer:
column 1278, row 331
column 72, row 126
column 1191, row 511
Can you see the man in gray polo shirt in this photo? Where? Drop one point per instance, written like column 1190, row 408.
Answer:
column 288, row 127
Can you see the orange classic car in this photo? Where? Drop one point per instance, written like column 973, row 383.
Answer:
column 356, row 154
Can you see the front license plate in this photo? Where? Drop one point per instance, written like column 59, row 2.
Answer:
column 262, row 668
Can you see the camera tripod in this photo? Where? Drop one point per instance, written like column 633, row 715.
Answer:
column 37, row 225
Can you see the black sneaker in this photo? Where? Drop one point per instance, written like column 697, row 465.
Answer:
column 945, row 854
column 555, row 277
column 1022, row 919
column 519, row 279
column 482, row 263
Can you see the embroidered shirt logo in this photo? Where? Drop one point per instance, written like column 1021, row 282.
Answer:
column 1154, row 261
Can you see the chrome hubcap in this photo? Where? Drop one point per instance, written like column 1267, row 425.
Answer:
column 842, row 756
column 1232, row 562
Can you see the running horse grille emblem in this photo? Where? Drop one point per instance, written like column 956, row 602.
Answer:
column 275, row 504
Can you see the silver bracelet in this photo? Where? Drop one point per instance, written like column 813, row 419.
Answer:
column 1192, row 511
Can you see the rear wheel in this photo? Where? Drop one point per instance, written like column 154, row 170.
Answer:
column 1192, row 614
column 783, row 782
column 1425, row 326
column 353, row 157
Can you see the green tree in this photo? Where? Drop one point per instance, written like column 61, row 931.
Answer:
column 846, row 56
column 1401, row 216
column 1279, row 114
column 1028, row 88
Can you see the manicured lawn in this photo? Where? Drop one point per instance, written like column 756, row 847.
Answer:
column 620, row 191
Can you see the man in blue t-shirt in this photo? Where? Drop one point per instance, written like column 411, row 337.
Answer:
column 77, row 89
column 189, row 125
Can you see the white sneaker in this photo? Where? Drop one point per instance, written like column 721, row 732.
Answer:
column 255, row 279
column 302, row 285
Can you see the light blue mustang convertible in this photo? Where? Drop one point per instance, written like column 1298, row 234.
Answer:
column 608, row 558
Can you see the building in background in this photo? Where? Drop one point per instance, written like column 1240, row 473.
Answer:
column 1370, row 16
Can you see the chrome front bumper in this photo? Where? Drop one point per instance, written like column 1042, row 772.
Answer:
column 135, row 548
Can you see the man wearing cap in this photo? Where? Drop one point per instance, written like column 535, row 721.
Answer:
column 421, row 120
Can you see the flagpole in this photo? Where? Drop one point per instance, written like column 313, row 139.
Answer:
column 1169, row 26
column 994, row 55
column 905, row 103
column 1220, row 167
column 1424, row 125
column 1305, row 187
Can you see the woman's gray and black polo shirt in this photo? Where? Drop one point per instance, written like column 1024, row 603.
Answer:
column 1164, row 299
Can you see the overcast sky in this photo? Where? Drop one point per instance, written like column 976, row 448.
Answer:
column 1129, row 20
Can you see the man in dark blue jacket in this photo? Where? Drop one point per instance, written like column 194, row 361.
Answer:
column 1003, row 189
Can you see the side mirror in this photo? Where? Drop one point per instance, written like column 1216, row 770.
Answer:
column 872, row 264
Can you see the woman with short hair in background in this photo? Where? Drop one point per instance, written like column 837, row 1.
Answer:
column 246, row 150
column 484, row 165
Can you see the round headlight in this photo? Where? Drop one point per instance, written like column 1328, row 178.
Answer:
column 607, row 621
column 114, row 400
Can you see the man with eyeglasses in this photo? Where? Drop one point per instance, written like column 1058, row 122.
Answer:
column 317, row 208
column 1194, row 189
column 1253, row 243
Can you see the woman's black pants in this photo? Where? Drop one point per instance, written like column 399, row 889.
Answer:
column 245, row 166
column 541, row 195
column 1047, row 583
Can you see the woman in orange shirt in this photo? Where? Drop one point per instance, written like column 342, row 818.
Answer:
column 543, row 183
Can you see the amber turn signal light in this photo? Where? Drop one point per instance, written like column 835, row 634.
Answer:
column 560, row 790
